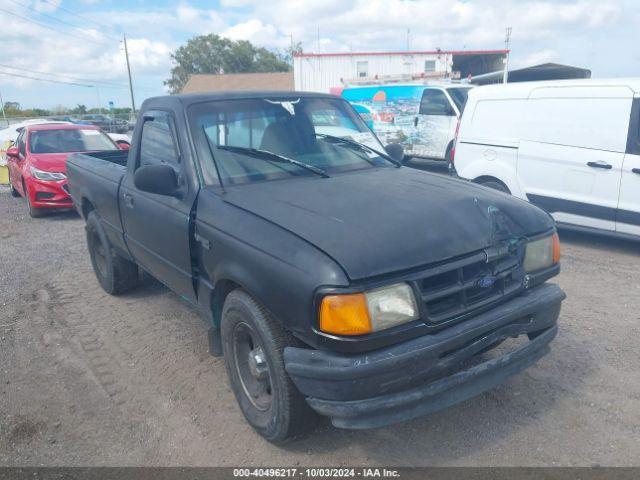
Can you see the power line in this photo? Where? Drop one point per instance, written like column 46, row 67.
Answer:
column 71, row 77
column 75, row 14
column 86, row 39
column 115, row 86
column 12, row 74
column 57, row 19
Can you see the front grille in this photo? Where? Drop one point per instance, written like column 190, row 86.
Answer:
column 457, row 288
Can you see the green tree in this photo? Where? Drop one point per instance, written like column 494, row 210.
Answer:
column 79, row 110
column 214, row 54
column 291, row 51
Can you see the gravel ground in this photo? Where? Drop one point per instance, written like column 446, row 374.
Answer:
column 89, row 379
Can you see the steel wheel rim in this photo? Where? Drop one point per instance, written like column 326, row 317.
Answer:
column 251, row 366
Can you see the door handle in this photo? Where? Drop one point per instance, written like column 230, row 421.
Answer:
column 128, row 200
column 603, row 165
column 203, row 241
column 636, row 170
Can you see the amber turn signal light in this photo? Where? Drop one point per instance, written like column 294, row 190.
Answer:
column 345, row 314
column 556, row 248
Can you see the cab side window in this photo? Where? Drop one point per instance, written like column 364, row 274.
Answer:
column 434, row 102
column 158, row 145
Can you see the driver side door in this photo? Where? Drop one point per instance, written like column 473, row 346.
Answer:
column 157, row 227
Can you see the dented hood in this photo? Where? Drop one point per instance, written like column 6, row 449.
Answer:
column 384, row 220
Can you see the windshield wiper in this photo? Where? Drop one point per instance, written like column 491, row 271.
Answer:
column 263, row 154
column 360, row 146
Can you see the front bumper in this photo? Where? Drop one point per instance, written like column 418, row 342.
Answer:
column 425, row 374
column 49, row 194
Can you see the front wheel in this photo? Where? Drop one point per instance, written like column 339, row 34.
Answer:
column 115, row 274
column 253, row 344
column 33, row 211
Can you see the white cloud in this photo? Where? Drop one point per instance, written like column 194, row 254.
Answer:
column 587, row 33
column 49, row 6
column 537, row 58
column 256, row 32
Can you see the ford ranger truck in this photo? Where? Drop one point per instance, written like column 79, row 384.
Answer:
column 335, row 281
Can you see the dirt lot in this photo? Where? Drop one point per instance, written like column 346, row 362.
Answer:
column 89, row 379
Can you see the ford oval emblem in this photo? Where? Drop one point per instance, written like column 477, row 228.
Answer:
column 487, row 281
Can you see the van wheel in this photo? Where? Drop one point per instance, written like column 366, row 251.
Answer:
column 496, row 185
column 115, row 274
column 253, row 344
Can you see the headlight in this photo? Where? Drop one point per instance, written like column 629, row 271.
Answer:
column 372, row 311
column 542, row 253
column 47, row 176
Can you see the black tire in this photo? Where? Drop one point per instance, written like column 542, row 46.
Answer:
column 269, row 401
column 496, row 185
column 33, row 211
column 115, row 274
column 14, row 192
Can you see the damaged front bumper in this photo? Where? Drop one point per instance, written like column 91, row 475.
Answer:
column 425, row 374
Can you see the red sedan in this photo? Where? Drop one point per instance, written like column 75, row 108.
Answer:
column 38, row 162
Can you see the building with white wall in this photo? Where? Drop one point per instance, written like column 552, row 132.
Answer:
column 320, row 72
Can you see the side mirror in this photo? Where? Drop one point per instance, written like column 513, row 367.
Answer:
column 13, row 152
column 123, row 145
column 159, row 179
column 395, row 151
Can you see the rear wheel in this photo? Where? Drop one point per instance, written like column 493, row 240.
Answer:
column 115, row 274
column 253, row 344
column 496, row 185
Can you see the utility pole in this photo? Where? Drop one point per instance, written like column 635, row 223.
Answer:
column 507, row 41
column 318, row 39
column 408, row 33
column 126, row 54
column 4, row 116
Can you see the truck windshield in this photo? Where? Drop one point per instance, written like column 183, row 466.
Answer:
column 303, row 129
column 63, row 141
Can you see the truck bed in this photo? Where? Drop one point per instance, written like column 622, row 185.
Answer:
column 94, row 183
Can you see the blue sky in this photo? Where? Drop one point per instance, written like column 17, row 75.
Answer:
column 77, row 41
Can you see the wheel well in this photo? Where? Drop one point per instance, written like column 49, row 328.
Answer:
column 87, row 207
column 220, row 292
column 489, row 178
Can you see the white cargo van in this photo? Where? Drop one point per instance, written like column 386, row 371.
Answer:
column 571, row 147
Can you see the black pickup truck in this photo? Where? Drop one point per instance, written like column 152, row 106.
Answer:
column 335, row 280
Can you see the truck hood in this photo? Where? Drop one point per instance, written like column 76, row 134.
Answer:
column 385, row 220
